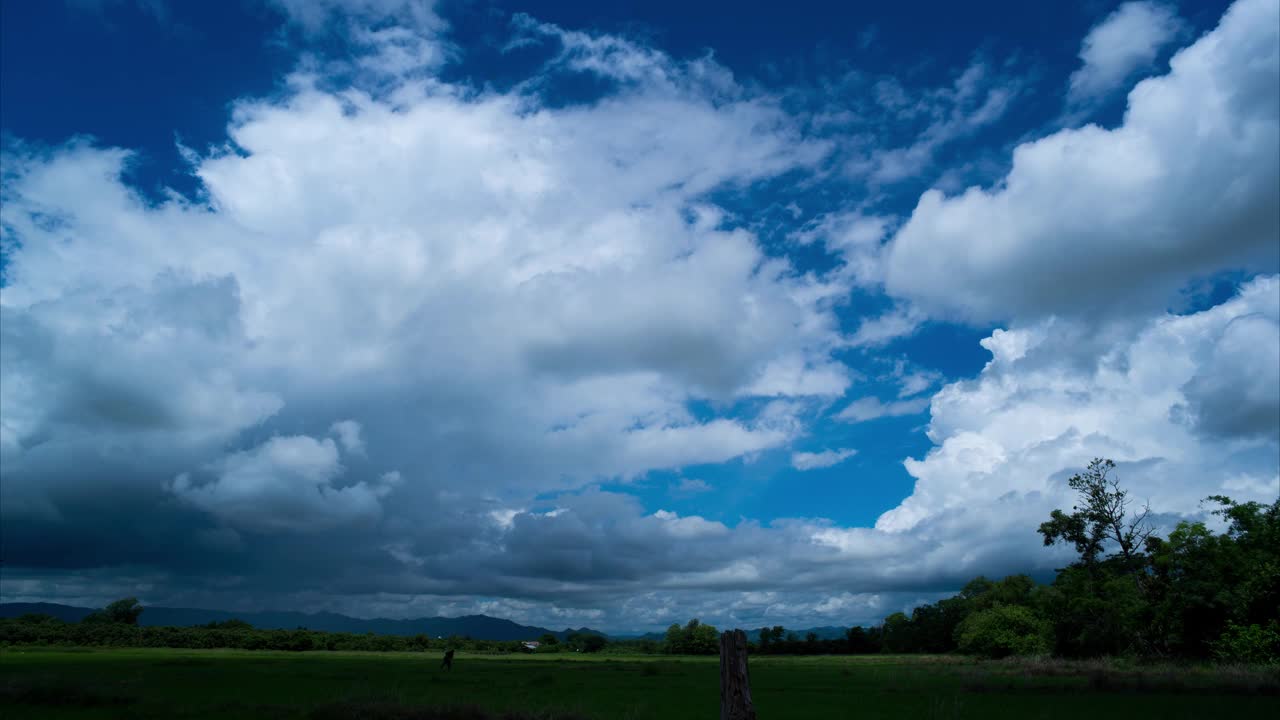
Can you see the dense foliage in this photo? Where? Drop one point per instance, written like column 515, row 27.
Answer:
column 1002, row 631
column 777, row 641
column 123, row 612
column 1196, row 594
column 694, row 638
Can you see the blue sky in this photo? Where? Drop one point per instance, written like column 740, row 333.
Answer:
column 621, row 313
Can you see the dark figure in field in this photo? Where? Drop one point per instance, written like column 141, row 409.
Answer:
column 447, row 663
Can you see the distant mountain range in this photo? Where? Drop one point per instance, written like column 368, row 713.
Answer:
column 479, row 627
column 826, row 632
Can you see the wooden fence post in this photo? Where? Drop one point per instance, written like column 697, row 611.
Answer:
column 735, row 683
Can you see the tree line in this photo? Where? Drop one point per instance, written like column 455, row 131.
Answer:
column 116, row 625
column 1196, row 594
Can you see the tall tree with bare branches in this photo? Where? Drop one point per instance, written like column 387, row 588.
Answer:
column 1100, row 520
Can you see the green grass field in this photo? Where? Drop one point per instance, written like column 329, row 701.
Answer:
column 161, row 683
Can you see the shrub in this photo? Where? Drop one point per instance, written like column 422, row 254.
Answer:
column 1002, row 631
column 1249, row 644
column 695, row 638
column 124, row 612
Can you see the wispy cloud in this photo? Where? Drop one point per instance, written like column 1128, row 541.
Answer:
column 977, row 98
column 899, row 322
column 1126, row 41
column 823, row 459
column 913, row 381
column 871, row 408
column 687, row 487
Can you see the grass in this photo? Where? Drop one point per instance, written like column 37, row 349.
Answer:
column 163, row 683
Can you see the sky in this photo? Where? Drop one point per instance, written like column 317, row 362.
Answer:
column 619, row 314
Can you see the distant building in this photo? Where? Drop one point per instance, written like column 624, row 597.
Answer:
column 531, row 644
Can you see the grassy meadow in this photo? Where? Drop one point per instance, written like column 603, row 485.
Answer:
column 167, row 683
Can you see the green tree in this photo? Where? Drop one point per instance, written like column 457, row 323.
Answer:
column 1013, row 590
column 1102, row 518
column 232, row 624
column 933, row 626
column 1202, row 583
column 1002, row 631
column 896, row 634
column 1098, row 605
column 695, row 638
column 1250, row 644
column 811, row 643
column 976, row 587
column 1094, row 614
column 121, row 612
column 673, row 643
column 703, row 639
column 859, row 641
column 1255, row 530
column 593, row 643
column 36, row 618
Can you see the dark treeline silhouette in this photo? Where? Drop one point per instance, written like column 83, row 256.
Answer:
column 1196, row 594
column 480, row 627
column 103, row 628
column 778, row 641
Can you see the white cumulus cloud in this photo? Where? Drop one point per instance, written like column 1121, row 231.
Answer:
column 1036, row 414
column 1092, row 221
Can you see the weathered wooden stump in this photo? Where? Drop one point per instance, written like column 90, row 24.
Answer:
column 735, row 682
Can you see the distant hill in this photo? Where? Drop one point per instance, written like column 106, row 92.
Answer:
column 826, row 632
column 66, row 613
column 479, row 627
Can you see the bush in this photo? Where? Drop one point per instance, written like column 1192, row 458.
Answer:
column 1249, row 644
column 695, row 638
column 124, row 612
column 593, row 643
column 1002, row 631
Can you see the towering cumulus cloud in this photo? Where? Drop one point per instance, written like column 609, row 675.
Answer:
column 1037, row 407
